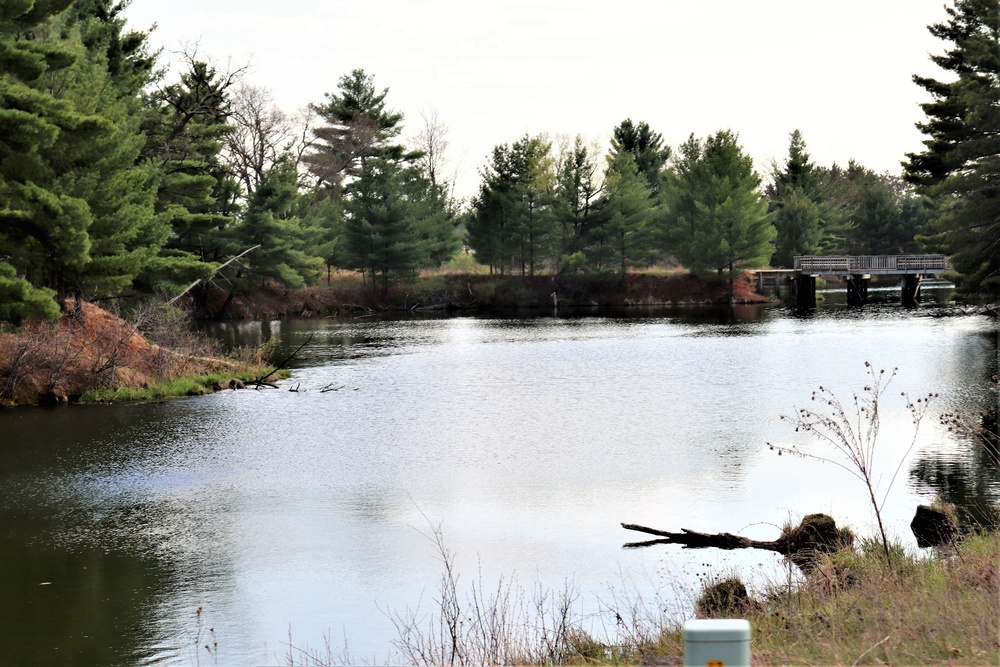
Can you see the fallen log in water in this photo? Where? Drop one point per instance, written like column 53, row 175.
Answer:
column 816, row 534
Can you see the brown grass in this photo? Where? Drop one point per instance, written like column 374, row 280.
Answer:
column 89, row 348
column 944, row 609
column 941, row 608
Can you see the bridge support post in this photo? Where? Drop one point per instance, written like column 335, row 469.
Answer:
column 805, row 291
column 911, row 290
column 857, row 289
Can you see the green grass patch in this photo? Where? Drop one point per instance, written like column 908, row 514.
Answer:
column 195, row 385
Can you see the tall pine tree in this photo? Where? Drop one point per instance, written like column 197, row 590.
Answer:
column 382, row 226
column 960, row 164
column 357, row 126
column 186, row 126
column 798, row 215
column 627, row 212
column 43, row 230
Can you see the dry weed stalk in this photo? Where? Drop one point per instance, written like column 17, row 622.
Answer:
column 487, row 626
column 852, row 431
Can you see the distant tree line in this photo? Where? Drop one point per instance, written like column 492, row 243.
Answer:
column 115, row 179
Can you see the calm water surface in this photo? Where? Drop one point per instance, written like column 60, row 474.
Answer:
column 254, row 519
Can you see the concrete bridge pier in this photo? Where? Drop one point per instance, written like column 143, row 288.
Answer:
column 805, row 290
column 911, row 290
column 857, row 289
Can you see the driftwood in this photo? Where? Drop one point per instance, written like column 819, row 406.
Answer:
column 816, row 534
column 262, row 381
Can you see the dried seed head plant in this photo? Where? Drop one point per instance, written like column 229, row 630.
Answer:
column 852, row 430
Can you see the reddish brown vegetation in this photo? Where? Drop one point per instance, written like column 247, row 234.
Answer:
column 88, row 348
column 348, row 293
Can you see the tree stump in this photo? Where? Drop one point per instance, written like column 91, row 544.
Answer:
column 933, row 527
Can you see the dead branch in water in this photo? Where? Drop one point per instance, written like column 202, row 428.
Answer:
column 816, row 534
column 262, row 381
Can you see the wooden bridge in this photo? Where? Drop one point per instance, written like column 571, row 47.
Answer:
column 856, row 271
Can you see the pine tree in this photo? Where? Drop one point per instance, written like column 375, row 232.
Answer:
column 112, row 67
column 960, row 165
column 272, row 221
column 794, row 201
column 645, row 146
column 43, row 230
column 382, row 226
column 512, row 225
column 799, row 226
column 186, row 125
column 874, row 214
column 358, row 126
column 628, row 211
column 715, row 217
column 578, row 186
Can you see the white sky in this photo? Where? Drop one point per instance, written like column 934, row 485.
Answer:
column 492, row 71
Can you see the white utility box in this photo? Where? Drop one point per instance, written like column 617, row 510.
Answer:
column 717, row 643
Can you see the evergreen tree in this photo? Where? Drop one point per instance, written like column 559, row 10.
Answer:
column 382, row 234
column 358, row 126
column 435, row 213
column 628, row 210
column 271, row 221
column 799, row 171
column 799, row 227
column 512, row 226
column 186, row 126
column 798, row 215
column 43, row 230
column 645, row 146
column 960, row 165
column 106, row 79
column 875, row 214
column 323, row 220
column 578, row 186
column 715, row 216
column 535, row 228
column 490, row 223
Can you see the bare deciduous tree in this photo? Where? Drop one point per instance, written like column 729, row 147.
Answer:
column 432, row 143
column 261, row 134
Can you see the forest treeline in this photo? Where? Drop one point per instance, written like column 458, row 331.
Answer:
column 116, row 178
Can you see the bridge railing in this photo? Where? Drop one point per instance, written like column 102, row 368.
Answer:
column 871, row 263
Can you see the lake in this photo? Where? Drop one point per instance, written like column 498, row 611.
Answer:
column 263, row 522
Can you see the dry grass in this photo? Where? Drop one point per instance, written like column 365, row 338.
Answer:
column 938, row 609
column 943, row 609
column 92, row 349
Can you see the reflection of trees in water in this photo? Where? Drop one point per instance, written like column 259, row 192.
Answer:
column 972, row 485
column 970, row 482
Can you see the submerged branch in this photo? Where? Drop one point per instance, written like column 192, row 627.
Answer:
column 263, row 380
column 816, row 534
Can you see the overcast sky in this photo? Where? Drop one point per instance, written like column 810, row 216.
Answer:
column 492, row 71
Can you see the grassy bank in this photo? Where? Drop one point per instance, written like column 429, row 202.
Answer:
column 92, row 355
column 939, row 607
column 933, row 610
column 193, row 385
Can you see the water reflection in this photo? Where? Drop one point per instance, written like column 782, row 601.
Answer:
column 968, row 476
column 529, row 441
